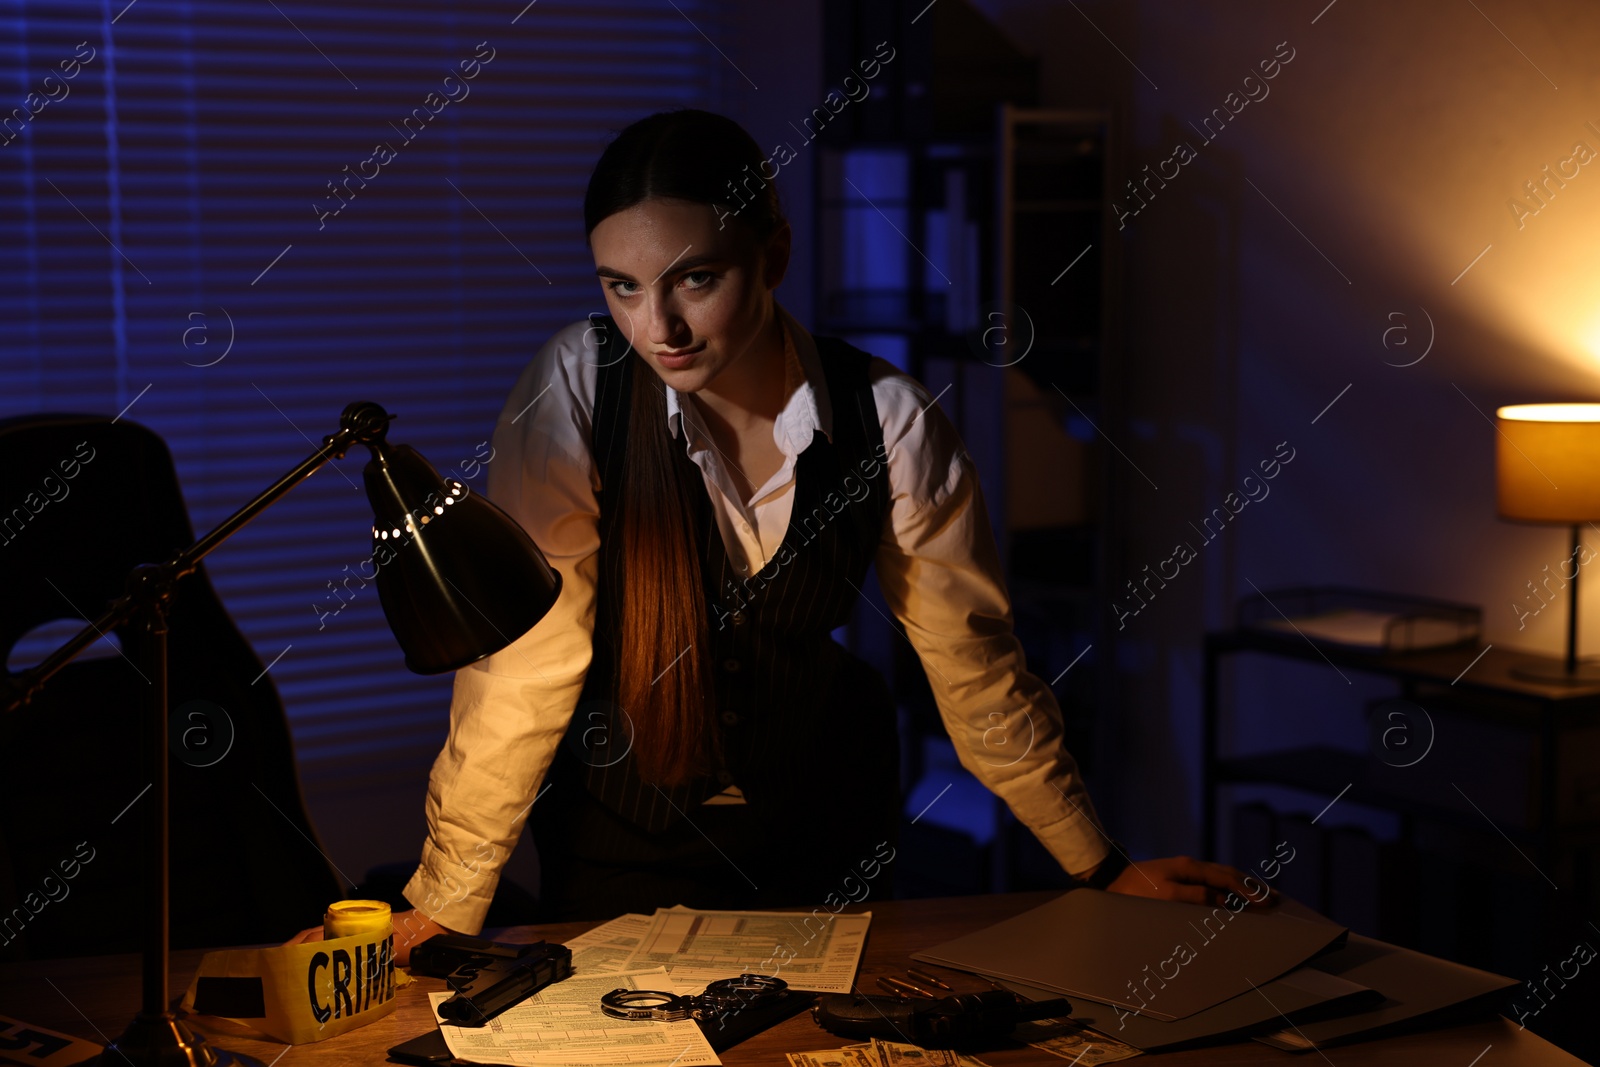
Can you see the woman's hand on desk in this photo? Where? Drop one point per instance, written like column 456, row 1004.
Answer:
column 411, row 928
column 1193, row 881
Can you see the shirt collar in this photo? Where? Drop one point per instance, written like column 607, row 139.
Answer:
column 809, row 407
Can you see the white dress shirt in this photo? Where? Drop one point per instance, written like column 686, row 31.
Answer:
column 936, row 564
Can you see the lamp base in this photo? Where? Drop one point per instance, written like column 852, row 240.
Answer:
column 166, row 1041
column 1554, row 672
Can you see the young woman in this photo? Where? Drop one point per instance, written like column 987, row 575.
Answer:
column 713, row 482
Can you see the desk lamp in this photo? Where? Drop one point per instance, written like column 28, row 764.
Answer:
column 459, row 580
column 1547, row 462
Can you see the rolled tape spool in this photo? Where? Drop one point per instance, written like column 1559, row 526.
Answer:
column 350, row 917
column 306, row 992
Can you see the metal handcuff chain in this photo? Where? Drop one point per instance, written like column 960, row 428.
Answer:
column 719, row 998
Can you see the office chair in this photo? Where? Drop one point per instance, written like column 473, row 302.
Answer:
column 82, row 501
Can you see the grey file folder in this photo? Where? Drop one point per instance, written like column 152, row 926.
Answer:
column 1294, row 996
column 1159, row 958
column 1414, row 984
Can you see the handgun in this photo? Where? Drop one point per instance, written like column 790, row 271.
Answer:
column 942, row 1023
column 488, row 977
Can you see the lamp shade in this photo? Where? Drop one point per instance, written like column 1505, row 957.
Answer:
column 1547, row 462
column 458, row 578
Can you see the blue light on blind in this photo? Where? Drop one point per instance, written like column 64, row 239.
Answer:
column 168, row 246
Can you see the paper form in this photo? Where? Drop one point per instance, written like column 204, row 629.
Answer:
column 606, row 948
column 562, row 1026
column 813, row 952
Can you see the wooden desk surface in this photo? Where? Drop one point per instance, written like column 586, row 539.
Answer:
column 95, row 997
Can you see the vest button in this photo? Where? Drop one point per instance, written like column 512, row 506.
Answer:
column 731, row 665
column 725, row 777
column 738, row 618
column 730, row 718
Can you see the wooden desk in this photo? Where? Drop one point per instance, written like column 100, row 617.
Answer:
column 94, row 998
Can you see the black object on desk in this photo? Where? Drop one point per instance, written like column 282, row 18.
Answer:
column 949, row 1022
column 488, row 977
column 424, row 1051
column 730, row 1009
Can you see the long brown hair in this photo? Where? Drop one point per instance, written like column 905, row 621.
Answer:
column 664, row 682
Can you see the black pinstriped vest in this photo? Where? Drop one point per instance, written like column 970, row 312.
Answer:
column 808, row 729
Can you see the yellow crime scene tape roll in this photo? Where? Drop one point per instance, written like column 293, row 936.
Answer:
column 310, row 991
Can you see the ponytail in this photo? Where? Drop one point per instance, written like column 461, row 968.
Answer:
column 663, row 683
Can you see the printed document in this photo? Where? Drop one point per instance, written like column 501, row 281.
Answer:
column 562, row 1026
column 813, row 951
column 606, row 948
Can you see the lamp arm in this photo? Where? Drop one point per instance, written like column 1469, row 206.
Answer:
column 362, row 423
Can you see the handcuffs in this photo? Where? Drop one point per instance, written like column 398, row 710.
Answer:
column 719, row 998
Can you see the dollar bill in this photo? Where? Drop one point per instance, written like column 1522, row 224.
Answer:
column 836, row 1057
column 1070, row 1041
column 864, row 1055
column 895, row 1054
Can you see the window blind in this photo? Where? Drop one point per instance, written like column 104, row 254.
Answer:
column 233, row 219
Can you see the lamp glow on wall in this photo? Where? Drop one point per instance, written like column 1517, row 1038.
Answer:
column 1547, row 463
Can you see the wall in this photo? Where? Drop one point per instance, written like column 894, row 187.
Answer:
column 1294, row 263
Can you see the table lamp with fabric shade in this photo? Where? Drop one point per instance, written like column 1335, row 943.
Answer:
column 1547, row 463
